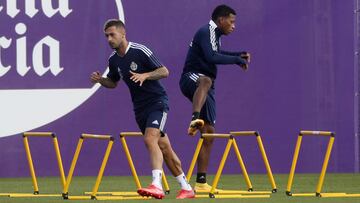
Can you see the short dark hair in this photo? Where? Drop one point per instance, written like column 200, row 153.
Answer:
column 113, row 22
column 222, row 11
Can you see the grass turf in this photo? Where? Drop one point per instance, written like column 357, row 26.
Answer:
column 348, row 183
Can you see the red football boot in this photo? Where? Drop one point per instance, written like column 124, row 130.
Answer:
column 185, row 194
column 152, row 191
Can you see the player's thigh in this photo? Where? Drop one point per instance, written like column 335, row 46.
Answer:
column 157, row 120
column 188, row 84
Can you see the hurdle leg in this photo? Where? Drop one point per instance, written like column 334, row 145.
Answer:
column 293, row 165
column 165, row 183
column 267, row 165
column 59, row 160
column 31, row 165
column 131, row 163
column 324, row 167
column 102, row 168
column 72, row 168
column 221, row 166
column 242, row 165
column 195, row 157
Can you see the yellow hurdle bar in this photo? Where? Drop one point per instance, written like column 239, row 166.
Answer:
column 242, row 165
column 30, row 160
column 38, row 134
column 231, row 142
column 131, row 163
column 65, row 193
column 100, row 137
column 324, row 133
column 194, row 159
column 234, row 196
column 216, row 135
column 263, row 154
column 221, row 166
column 243, row 133
column 31, row 165
column 324, row 166
column 130, row 134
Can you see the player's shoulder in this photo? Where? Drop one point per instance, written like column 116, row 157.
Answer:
column 112, row 56
column 140, row 48
column 203, row 30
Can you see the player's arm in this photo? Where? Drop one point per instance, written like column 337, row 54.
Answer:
column 106, row 82
column 111, row 79
column 156, row 74
column 156, row 69
column 243, row 54
column 213, row 56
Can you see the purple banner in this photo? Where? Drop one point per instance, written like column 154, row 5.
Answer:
column 300, row 78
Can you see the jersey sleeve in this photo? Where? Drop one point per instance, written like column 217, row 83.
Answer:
column 212, row 55
column 113, row 74
column 151, row 61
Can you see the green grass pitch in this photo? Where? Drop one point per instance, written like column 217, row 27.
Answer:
column 348, row 183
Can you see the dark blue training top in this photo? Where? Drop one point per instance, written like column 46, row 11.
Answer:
column 204, row 52
column 139, row 59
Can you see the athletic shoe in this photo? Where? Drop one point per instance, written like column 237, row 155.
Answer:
column 204, row 187
column 152, row 191
column 194, row 126
column 185, row 194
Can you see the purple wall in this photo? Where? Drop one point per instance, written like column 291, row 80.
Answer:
column 301, row 77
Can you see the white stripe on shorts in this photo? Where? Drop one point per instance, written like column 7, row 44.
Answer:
column 163, row 121
column 193, row 78
column 195, row 75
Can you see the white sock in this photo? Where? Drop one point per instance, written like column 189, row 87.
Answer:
column 156, row 178
column 183, row 182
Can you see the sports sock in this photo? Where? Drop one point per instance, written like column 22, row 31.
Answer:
column 156, row 178
column 201, row 177
column 183, row 182
column 195, row 115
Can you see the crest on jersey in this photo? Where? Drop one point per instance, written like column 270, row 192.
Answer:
column 133, row 66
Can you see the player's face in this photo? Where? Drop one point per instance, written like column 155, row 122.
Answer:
column 227, row 24
column 115, row 36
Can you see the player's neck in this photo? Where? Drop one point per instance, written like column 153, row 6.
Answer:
column 122, row 48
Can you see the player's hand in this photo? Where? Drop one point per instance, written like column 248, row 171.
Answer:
column 138, row 77
column 95, row 77
column 246, row 56
column 244, row 66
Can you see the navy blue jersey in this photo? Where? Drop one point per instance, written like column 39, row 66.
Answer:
column 139, row 59
column 204, row 52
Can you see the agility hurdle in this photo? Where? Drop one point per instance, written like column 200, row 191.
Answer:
column 36, row 192
column 320, row 183
column 123, row 136
column 324, row 166
column 65, row 193
column 229, row 193
column 263, row 154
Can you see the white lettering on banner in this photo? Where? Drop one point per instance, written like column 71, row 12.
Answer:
column 31, row 10
column 42, row 106
column 37, row 54
column 11, row 8
column 21, row 64
column 4, row 43
column 49, row 11
column 54, row 48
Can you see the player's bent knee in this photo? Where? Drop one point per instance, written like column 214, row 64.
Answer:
column 205, row 81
